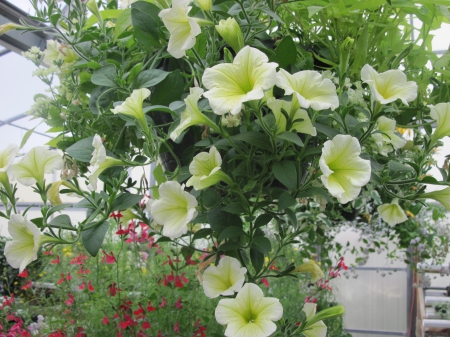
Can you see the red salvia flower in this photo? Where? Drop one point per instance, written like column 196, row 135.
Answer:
column 163, row 303
column 90, row 286
column 23, row 274
column 109, row 259
column 56, row 261
column 105, row 320
column 146, row 325
column 150, row 307
column 70, row 301
column 178, row 304
column 176, row 327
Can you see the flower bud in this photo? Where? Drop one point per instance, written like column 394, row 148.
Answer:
column 230, row 31
column 205, row 5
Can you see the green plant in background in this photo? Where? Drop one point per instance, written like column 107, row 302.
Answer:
column 272, row 125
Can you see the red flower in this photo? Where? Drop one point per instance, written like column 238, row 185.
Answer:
column 109, row 259
column 105, row 320
column 265, row 282
column 178, row 304
column 79, row 260
column 273, row 267
column 116, row 216
column 310, row 300
column 56, row 261
column 200, row 332
column 160, row 334
column 163, row 303
column 48, row 252
column 62, row 279
column 70, row 301
column 23, row 274
column 90, row 286
column 83, row 271
column 150, row 307
column 27, row 285
column 190, row 261
column 140, row 313
column 82, row 286
column 68, row 277
column 7, row 302
column 122, row 231
column 112, row 291
column 146, row 325
column 176, row 327
column 80, row 332
column 58, row 333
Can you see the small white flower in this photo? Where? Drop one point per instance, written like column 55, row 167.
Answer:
column 225, row 279
column 232, row 84
column 205, row 170
column 27, row 239
column 174, row 209
column 37, row 162
column 392, row 213
column 182, row 28
column 344, row 172
column 389, row 86
column 310, row 88
column 250, row 314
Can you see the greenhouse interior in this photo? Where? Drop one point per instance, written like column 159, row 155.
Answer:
column 246, row 168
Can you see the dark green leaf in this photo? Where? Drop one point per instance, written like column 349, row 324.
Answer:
column 150, row 78
column 257, row 259
column 57, row 208
column 230, row 232
column 93, row 238
column 286, row 172
column 286, row 53
column 124, row 201
column 263, row 243
column 220, row 220
column 230, row 245
column 38, row 222
column 291, row 137
column 146, row 23
column 313, row 191
column 105, row 76
column 81, row 150
column 202, row 233
column 122, row 23
column 234, row 208
column 61, row 221
column 327, row 131
column 285, row 201
column 263, row 220
column 169, row 90
column 254, row 138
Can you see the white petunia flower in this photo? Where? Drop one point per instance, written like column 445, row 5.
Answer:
column 392, row 213
column 232, row 84
column 388, row 135
column 344, row 172
column 192, row 115
column 205, row 170
column 174, row 209
column 27, row 239
column 182, row 28
column 7, row 156
column 389, row 86
column 225, row 279
column 441, row 114
column 38, row 161
column 133, row 107
column 99, row 154
column 250, row 314
column 317, row 329
column 310, row 88
column 310, row 267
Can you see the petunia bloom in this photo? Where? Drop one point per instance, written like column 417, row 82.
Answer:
column 182, row 28
column 225, row 279
column 389, row 86
column 27, row 239
column 174, row 209
column 250, row 313
column 317, row 329
column 388, row 135
column 192, row 115
column 309, row 88
column 232, row 84
column 205, row 170
column 441, row 114
column 442, row 196
column 392, row 213
column 99, row 168
column 310, row 267
column 38, row 161
column 230, row 31
column 295, row 114
column 133, row 107
column 344, row 172
column 99, row 154
column 7, row 156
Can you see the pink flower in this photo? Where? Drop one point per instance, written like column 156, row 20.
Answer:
column 122, row 231
column 310, row 300
column 79, row 260
column 116, row 216
column 109, row 259
column 105, row 320
column 113, row 290
column 146, row 325
column 62, row 279
column 68, row 277
column 190, row 261
column 150, row 307
column 144, row 256
column 178, row 304
column 163, row 303
column 82, row 286
column 265, row 282
column 176, row 328
column 56, row 261
column 90, row 286
column 70, row 301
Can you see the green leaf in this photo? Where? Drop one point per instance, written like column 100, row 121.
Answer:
column 81, row 150
column 122, row 23
column 57, row 208
column 202, row 233
column 291, row 137
column 106, row 14
column 291, row 215
column 230, row 232
column 219, row 220
column 285, row 200
column 146, row 23
column 150, row 78
column 93, row 238
column 105, row 76
column 257, row 259
column 230, row 245
column 169, row 90
column 26, row 136
column 234, row 208
column 262, row 243
column 62, row 221
column 158, row 174
column 254, row 138
column 124, row 201
column 263, row 220
column 286, row 172
column 286, row 53
column 313, row 191
column 327, row 131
